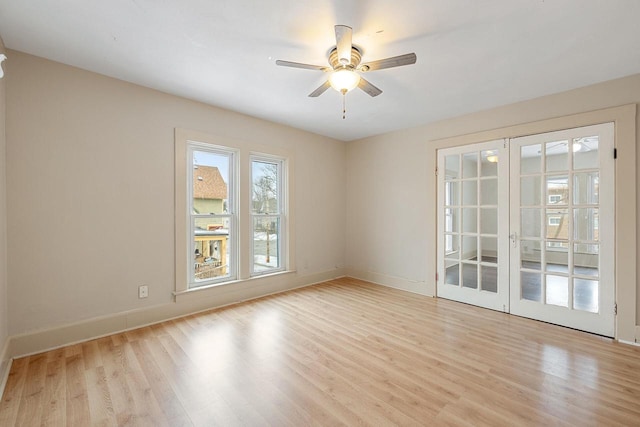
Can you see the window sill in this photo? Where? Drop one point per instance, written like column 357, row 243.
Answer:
column 233, row 283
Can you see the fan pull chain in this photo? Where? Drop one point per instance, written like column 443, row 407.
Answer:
column 344, row 103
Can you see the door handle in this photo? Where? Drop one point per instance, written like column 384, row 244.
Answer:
column 514, row 239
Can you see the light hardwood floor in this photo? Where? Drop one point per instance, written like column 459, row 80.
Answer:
column 345, row 352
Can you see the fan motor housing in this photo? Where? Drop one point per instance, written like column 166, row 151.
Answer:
column 356, row 57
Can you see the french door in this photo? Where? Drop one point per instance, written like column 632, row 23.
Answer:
column 538, row 211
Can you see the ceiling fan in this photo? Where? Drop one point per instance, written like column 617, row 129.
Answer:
column 345, row 67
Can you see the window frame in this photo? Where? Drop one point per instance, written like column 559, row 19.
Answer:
column 280, row 214
column 232, row 213
column 242, row 150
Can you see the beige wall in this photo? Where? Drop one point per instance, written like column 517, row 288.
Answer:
column 90, row 165
column 4, row 319
column 391, row 239
column 91, row 159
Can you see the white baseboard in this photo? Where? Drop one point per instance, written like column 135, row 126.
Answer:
column 193, row 302
column 416, row 287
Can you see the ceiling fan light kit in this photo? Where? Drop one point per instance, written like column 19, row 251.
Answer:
column 344, row 60
column 344, row 80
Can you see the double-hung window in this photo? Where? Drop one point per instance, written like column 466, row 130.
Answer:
column 267, row 215
column 212, row 215
column 232, row 211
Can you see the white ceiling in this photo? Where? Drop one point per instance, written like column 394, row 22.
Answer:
column 472, row 55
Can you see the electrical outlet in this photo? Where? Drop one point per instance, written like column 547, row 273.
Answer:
column 143, row 291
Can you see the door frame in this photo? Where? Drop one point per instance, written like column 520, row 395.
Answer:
column 624, row 118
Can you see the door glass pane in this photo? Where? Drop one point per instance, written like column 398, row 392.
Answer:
column 585, row 153
column 451, row 220
column 452, row 164
column 489, row 191
column 531, row 286
column 489, row 165
column 558, row 290
column 470, row 275
column 469, row 247
column 585, row 224
column 530, row 223
column 585, row 295
column 489, row 221
column 470, row 192
column 452, row 246
column 557, row 256
column 557, row 190
column 557, row 224
column 489, row 278
column 530, row 191
column 470, row 220
column 586, row 259
column 585, row 188
column 530, row 254
column 470, row 165
column 489, row 249
column 452, row 275
column 451, row 193
column 557, row 156
column 530, row 159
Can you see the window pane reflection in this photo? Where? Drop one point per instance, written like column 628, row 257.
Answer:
column 530, row 286
column 585, row 295
column 489, row 278
column 530, row 159
column 585, row 152
column 452, row 165
column 470, row 275
column 557, row 290
column 557, row 156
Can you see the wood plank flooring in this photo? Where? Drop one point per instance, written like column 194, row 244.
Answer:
column 344, row 352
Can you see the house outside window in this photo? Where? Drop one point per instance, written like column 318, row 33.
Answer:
column 554, row 198
column 555, row 221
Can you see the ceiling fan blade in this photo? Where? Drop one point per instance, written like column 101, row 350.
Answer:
column 300, row 65
column 343, row 43
column 369, row 88
column 326, row 85
column 396, row 61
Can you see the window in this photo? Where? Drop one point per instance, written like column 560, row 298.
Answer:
column 212, row 214
column 232, row 215
column 554, row 220
column 267, row 215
